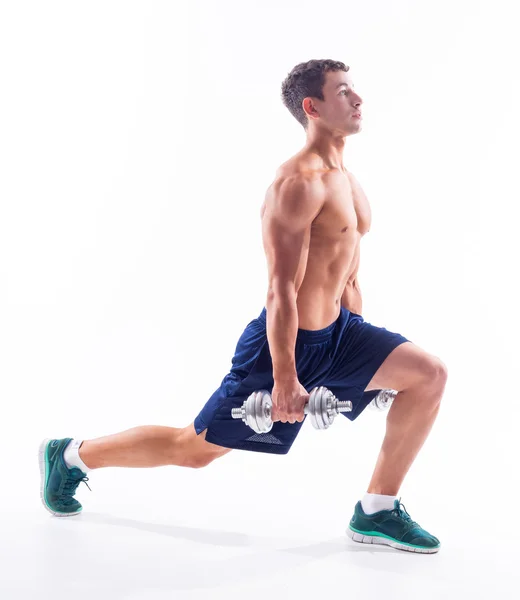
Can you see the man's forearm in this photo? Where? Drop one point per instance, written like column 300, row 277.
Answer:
column 351, row 298
column 282, row 329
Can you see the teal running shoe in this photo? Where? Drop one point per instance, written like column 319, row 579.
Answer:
column 391, row 528
column 59, row 483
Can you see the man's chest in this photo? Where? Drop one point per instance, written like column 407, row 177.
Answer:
column 346, row 209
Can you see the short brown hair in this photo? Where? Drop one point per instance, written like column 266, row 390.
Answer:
column 307, row 79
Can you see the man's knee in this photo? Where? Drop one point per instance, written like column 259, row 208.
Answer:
column 200, row 461
column 192, row 449
column 435, row 372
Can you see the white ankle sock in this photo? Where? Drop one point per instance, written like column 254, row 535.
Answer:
column 373, row 503
column 71, row 456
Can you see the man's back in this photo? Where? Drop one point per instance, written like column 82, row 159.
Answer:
column 331, row 256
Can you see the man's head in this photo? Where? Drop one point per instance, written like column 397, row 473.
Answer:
column 314, row 95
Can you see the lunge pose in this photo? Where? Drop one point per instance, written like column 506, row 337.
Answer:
column 310, row 333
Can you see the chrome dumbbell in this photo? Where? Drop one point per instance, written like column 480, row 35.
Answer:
column 322, row 409
column 383, row 400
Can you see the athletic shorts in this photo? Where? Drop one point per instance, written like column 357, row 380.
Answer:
column 343, row 357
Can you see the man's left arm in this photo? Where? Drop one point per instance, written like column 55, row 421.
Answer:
column 351, row 297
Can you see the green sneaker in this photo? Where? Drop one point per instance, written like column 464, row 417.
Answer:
column 391, row 528
column 58, row 483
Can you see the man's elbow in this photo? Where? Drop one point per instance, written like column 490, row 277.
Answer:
column 281, row 288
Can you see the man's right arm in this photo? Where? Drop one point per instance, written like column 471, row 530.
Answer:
column 293, row 204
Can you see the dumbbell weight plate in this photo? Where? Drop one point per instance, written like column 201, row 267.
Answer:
column 258, row 411
column 319, row 408
column 383, row 400
column 250, row 407
column 312, row 409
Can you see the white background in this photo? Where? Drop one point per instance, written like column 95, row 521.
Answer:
column 137, row 140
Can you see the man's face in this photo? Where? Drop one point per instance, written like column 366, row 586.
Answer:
column 342, row 104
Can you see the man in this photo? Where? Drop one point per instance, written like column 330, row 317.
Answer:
column 309, row 333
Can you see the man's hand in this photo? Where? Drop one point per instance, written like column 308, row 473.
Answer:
column 289, row 399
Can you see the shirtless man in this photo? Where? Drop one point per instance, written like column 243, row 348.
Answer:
column 309, row 333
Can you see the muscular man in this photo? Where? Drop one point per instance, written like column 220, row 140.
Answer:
column 309, row 333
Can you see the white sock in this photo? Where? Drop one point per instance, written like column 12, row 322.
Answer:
column 373, row 503
column 71, row 456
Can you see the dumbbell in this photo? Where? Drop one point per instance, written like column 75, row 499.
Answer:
column 383, row 400
column 322, row 409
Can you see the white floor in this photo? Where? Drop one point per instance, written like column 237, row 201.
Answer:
column 225, row 532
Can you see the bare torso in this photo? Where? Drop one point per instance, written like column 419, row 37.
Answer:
column 333, row 254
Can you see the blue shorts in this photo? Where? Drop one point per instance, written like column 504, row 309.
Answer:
column 342, row 357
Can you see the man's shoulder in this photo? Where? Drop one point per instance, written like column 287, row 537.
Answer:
column 291, row 179
column 300, row 167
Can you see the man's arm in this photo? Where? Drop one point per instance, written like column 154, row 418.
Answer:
column 351, row 297
column 286, row 227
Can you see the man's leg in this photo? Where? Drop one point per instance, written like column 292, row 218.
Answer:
column 420, row 379
column 380, row 518
column 151, row 446
column 63, row 462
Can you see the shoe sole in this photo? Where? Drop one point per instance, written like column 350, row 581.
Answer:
column 384, row 541
column 44, row 474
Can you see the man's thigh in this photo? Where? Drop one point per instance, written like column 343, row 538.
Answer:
column 359, row 350
column 406, row 366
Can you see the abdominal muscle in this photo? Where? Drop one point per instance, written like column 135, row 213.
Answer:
column 318, row 299
column 319, row 296
column 317, row 311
